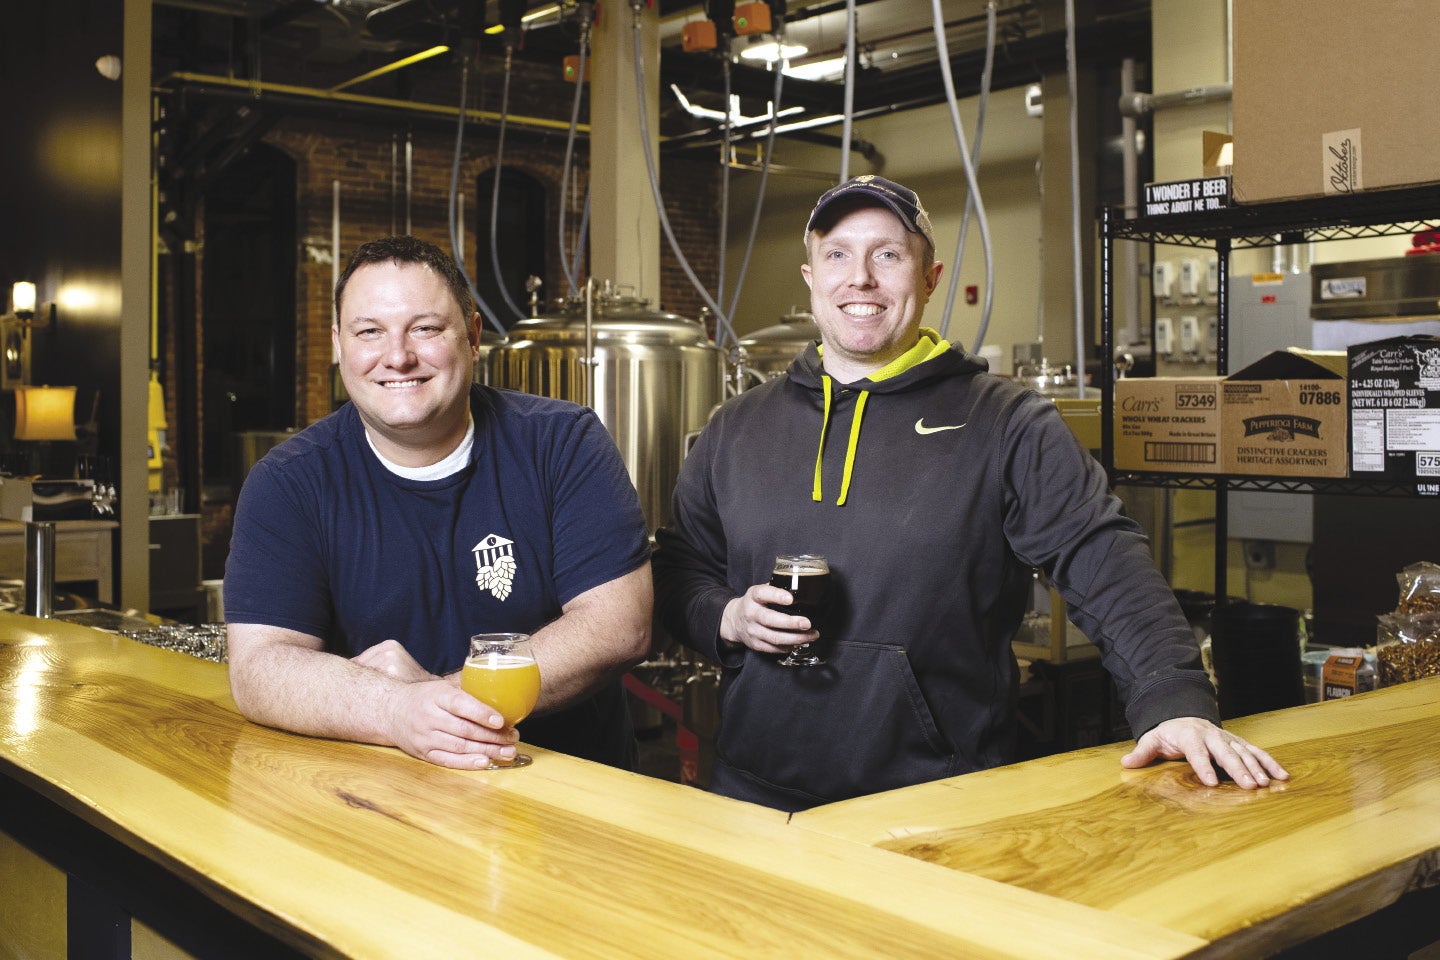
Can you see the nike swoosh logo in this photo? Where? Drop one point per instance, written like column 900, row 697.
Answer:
column 921, row 429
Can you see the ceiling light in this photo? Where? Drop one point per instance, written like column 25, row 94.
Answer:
column 547, row 11
column 772, row 50
column 539, row 13
column 816, row 70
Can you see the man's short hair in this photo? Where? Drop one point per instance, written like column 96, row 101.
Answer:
column 409, row 250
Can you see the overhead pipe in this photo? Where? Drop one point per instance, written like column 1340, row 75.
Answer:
column 1136, row 104
column 281, row 94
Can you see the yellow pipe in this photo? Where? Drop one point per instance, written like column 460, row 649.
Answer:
column 400, row 64
column 360, row 99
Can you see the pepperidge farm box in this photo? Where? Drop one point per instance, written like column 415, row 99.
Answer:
column 1168, row 424
column 1395, row 411
column 1285, row 415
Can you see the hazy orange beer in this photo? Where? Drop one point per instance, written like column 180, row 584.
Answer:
column 509, row 684
column 502, row 673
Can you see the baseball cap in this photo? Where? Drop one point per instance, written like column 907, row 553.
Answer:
column 900, row 200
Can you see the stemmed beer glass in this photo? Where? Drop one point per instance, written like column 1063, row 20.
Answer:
column 807, row 577
column 501, row 672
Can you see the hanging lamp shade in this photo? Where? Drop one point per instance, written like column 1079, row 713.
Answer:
column 44, row 413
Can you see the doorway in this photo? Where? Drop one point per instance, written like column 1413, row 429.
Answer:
column 520, row 241
column 249, row 311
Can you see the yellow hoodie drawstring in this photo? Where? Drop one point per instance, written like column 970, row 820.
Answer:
column 929, row 346
column 816, row 493
column 850, row 447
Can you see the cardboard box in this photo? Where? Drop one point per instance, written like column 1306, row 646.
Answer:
column 1395, row 411
column 1082, row 417
column 1286, row 415
column 1330, row 97
column 1168, row 424
column 1217, row 151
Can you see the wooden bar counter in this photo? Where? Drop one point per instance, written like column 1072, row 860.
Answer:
column 133, row 793
column 1356, row 828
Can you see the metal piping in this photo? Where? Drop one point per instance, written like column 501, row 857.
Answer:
column 250, row 87
column 1130, row 257
column 1139, row 104
column 334, row 257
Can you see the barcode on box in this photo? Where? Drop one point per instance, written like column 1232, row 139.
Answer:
column 1168, row 452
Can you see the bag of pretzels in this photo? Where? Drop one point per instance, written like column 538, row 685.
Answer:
column 1408, row 639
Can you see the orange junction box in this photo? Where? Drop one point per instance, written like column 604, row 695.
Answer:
column 752, row 18
column 698, row 35
column 572, row 68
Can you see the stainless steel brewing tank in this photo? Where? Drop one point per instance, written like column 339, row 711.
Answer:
column 769, row 350
column 654, row 380
column 1047, row 379
column 488, row 339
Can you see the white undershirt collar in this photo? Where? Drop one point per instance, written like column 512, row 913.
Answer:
column 458, row 459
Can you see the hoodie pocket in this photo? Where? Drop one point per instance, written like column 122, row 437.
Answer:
column 856, row 725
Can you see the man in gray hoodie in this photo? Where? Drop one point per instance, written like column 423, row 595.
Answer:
column 932, row 519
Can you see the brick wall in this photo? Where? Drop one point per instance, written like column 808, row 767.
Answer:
column 360, row 156
column 362, row 163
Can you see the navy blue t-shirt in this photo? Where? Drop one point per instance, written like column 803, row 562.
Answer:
column 330, row 543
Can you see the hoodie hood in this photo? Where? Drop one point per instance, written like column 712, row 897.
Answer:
column 930, row 358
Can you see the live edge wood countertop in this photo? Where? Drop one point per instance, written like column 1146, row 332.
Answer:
column 1253, row 872
column 348, row 850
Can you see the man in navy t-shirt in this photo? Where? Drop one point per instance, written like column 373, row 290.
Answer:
column 369, row 547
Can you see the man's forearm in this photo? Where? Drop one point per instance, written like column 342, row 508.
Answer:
column 601, row 633
column 313, row 692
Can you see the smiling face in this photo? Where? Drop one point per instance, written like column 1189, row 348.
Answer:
column 406, row 356
column 869, row 283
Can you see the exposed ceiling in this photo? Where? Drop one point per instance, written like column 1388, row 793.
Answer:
column 217, row 47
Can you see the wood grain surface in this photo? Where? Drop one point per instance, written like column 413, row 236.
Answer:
column 343, row 849
column 1356, row 826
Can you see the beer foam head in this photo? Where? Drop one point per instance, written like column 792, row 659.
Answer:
column 803, row 565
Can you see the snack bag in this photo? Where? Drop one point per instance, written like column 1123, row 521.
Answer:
column 1408, row 640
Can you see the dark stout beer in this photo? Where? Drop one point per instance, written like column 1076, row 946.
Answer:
column 807, row 577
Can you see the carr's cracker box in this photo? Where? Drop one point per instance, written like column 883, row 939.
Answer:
column 1285, row 415
column 1395, row 411
column 1168, row 424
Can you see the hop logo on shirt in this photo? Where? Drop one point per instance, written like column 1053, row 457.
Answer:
column 495, row 565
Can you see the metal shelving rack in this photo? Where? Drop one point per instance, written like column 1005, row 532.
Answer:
column 1378, row 213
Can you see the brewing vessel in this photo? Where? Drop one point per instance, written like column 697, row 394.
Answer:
column 767, row 352
column 653, row 378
